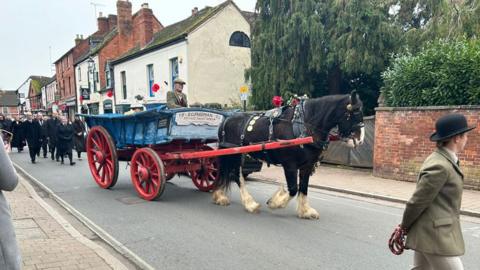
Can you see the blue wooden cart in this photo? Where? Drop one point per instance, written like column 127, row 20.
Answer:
column 160, row 143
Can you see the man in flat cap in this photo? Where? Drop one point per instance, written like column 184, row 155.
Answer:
column 175, row 98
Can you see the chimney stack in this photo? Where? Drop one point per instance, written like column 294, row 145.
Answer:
column 78, row 39
column 145, row 21
column 112, row 21
column 194, row 11
column 102, row 23
column 124, row 19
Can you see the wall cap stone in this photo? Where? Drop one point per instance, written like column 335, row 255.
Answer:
column 429, row 108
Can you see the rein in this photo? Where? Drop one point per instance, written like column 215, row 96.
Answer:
column 396, row 243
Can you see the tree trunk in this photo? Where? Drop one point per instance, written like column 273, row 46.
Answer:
column 335, row 81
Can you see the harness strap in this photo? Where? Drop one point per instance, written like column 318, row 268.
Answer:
column 222, row 128
column 270, row 129
column 242, row 136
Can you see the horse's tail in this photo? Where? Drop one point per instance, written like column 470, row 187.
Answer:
column 229, row 171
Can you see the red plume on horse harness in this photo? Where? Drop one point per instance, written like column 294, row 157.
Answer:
column 396, row 243
column 277, row 101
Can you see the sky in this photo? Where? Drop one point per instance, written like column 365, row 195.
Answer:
column 35, row 33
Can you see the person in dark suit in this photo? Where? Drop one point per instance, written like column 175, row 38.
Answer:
column 431, row 218
column 65, row 133
column 79, row 127
column 176, row 98
column 43, row 135
column 32, row 134
column 52, row 125
column 18, row 131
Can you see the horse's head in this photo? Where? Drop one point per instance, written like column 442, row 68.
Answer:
column 350, row 124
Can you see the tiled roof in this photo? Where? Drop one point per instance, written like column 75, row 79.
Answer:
column 250, row 17
column 176, row 31
column 38, row 82
column 8, row 98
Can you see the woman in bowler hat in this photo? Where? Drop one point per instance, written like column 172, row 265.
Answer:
column 431, row 220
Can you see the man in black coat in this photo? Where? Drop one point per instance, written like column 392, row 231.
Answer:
column 18, row 139
column 43, row 135
column 65, row 132
column 32, row 133
column 52, row 125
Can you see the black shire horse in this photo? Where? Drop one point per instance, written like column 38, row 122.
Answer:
column 319, row 117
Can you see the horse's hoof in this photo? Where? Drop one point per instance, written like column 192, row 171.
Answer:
column 223, row 201
column 309, row 214
column 253, row 207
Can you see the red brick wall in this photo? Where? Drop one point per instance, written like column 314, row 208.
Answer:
column 402, row 142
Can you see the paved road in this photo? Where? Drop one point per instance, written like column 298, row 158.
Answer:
column 184, row 230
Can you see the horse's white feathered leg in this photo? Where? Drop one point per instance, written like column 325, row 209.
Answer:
column 220, row 198
column 304, row 210
column 279, row 199
column 247, row 200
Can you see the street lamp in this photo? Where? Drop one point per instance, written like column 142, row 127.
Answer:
column 91, row 70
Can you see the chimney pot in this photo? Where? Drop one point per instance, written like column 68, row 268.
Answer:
column 145, row 5
column 100, row 14
column 194, row 11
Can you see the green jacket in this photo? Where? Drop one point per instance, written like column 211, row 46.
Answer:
column 431, row 216
column 176, row 100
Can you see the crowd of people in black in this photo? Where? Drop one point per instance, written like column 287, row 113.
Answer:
column 54, row 135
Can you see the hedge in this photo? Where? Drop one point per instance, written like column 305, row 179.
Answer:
column 443, row 73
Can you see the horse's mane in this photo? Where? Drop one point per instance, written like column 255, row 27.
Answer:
column 322, row 112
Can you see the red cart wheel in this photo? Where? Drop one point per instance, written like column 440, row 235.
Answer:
column 148, row 174
column 205, row 178
column 102, row 157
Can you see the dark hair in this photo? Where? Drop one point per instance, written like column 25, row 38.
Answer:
column 444, row 143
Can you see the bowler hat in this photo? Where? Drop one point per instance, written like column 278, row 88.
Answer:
column 450, row 125
column 180, row 81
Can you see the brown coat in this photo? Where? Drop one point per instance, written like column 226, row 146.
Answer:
column 432, row 215
column 176, row 100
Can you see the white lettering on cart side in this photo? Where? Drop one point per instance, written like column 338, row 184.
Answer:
column 198, row 118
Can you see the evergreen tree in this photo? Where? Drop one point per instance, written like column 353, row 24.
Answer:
column 319, row 47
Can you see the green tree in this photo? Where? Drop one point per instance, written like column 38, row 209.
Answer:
column 319, row 47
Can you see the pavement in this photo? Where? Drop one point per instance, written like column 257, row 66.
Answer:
column 361, row 182
column 49, row 241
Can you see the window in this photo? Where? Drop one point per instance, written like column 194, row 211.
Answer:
column 239, row 39
column 108, row 76
column 79, row 74
column 5, row 110
column 124, row 84
column 174, row 70
column 150, row 79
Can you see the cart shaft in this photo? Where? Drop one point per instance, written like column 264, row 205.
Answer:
column 237, row 150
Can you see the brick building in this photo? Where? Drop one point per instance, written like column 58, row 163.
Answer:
column 94, row 74
column 64, row 66
column 8, row 102
column 34, row 96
